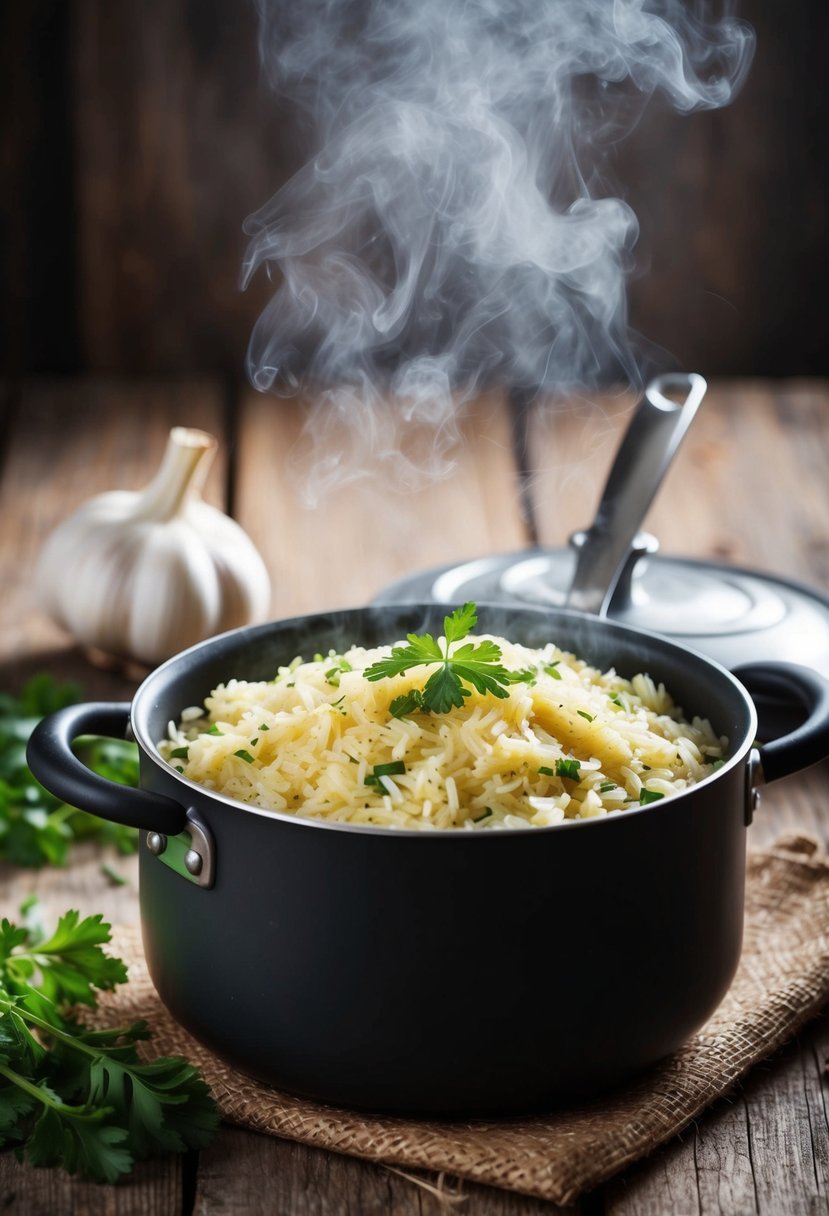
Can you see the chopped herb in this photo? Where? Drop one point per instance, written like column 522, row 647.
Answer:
column 253, row 742
column 179, row 753
column 478, row 665
column 178, row 768
column 646, row 768
column 243, row 755
column 607, row 785
column 264, row 726
column 214, row 730
column 393, row 769
column 488, row 811
column 552, row 669
column 332, row 676
column 616, row 699
column 717, row 763
column 547, row 772
column 584, row 714
column 646, row 796
column 568, row 768
column 339, row 700
column 114, row 877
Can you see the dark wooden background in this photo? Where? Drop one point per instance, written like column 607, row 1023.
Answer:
column 137, row 135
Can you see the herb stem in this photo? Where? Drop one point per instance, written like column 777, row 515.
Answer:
column 45, row 1098
column 56, row 1033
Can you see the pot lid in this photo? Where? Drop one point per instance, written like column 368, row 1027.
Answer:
column 732, row 614
column 612, row 568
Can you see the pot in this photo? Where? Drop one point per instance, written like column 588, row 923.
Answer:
column 448, row 972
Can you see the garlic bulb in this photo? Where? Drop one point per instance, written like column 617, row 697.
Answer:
column 144, row 574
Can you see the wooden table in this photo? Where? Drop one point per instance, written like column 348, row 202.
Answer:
column 750, row 486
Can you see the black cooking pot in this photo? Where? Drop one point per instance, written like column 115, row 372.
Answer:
column 441, row 972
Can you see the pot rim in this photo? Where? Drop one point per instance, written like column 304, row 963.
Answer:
column 147, row 691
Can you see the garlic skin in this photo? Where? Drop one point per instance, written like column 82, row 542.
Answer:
column 142, row 575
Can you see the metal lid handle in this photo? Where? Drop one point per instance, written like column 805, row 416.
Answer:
column 645, row 454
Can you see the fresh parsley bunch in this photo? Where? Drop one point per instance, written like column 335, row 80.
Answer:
column 478, row 665
column 75, row 1097
column 35, row 827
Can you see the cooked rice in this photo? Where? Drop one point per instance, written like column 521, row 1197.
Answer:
column 307, row 741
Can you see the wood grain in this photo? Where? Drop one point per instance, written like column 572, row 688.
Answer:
column 311, row 1182
column 67, row 442
column 155, row 1188
column 766, row 1149
column 763, row 1150
column 748, row 485
column 176, row 143
column 139, row 135
column 38, row 321
column 370, row 531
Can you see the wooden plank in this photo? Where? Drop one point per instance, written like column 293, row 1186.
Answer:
column 707, row 1170
column 67, row 442
column 748, row 487
column 154, row 1189
column 470, row 514
column 176, row 143
column 788, row 1134
column 38, row 328
column 64, row 443
column 305, row 1181
column 730, row 494
column 798, row 804
column 763, row 1150
column 370, row 531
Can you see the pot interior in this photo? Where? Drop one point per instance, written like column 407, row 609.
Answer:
column 699, row 685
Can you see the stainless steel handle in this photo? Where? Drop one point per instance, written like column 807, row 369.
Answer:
column 649, row 445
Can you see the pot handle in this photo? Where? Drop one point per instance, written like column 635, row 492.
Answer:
column 792, row 701
column 50, row 757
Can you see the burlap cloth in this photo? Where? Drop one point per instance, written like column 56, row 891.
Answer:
column 783, row 980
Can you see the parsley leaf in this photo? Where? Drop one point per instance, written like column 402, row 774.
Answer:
column 460, row 622
column 475, row 664
column 646, row 796
column 36, row 828
column 67, row 966
column 81, row 1098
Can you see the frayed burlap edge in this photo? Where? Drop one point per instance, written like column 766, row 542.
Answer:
column 782, row 981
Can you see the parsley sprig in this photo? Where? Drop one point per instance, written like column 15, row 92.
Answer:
column 476, row 664
column 36, row 828
column 81, row 1098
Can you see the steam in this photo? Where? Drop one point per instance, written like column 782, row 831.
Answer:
column 450, row 230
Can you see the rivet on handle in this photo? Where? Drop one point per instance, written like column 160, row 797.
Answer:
column 156, row 843
column 191, row 854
